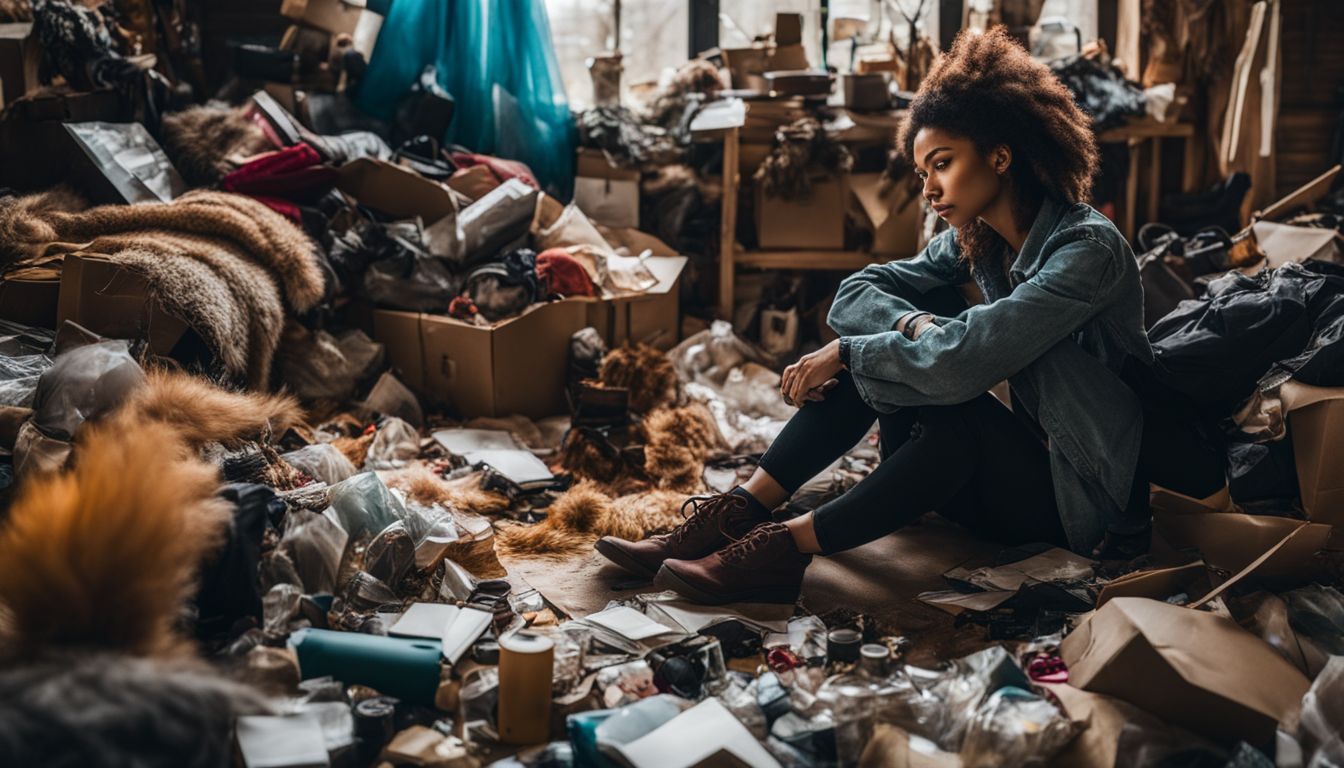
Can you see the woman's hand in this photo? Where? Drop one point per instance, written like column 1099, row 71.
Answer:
column 811, row 372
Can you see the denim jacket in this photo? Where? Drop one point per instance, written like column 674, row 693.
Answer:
column 1059, row 328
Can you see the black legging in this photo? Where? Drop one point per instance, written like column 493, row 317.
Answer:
column 975, row 463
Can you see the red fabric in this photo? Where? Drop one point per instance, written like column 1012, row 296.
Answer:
column 562, row 274
column 283, row 178
column 503, row 169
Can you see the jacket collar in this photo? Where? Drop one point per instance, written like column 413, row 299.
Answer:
column 1031, row 258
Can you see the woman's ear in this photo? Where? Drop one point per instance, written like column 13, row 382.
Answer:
column 1001, row 158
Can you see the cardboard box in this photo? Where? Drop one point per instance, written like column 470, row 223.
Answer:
column 1159, row 583
column 653, row 317
column 747, row 67
column 895, row 219
column 515, row 366
column 31, row 302
column 1316, row 425
column 398, row 192
column 1191, row 668
column 817, row 221
column 19, row 59
column 1232, row 541
column 607, row 194
column 350, row 17
column 110, row 300
column 788, row 52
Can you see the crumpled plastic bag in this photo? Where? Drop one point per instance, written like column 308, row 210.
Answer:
column 18, row 378
column 321, row 461
column 966, row 683
column 84, row 384
column 710, row 356
column 391, row 555
column 1015, row 727
column 362, row 504
column 316, row 365
column 395, row 445
column 405, row 275
column 315, row 545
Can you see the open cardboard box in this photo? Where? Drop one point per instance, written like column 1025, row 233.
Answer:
column 351, row 17
column 396, row 191
column 653, row 317
column 514, row 366
column 1191, row 668
column 606, row 193
column 894, row 218
column 110, row 300
column 1316, row 425
column 816, row 221
column 1234, row 541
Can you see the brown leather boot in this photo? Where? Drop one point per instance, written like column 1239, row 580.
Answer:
column 714, row 523
column 764, row 566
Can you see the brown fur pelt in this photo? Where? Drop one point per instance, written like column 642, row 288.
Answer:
column 585, row 513
column 356, row 449
column 226, row 264
column 201, row 412
column 200, row 141
column 680, row 439
column 668, row 106
column 646, row 372
column 591, row 457
column 422, row 486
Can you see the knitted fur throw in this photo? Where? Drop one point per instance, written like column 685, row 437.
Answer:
column 225, row 264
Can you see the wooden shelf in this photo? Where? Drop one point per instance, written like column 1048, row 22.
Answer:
column 840, row 261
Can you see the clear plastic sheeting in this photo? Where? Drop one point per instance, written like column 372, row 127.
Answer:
column 1015, row 727
column 18, row 378
column 1320, row 732
column 395, row 445
column 316, row 365
column 321, row 461
column 709, row 356
column 729, row 376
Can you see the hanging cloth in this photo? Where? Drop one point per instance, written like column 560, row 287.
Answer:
column 496, row 59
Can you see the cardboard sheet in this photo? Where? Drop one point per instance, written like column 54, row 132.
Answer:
column 1188, row 667
column 1284, row 243
column 1159, row 583
column 398, row 192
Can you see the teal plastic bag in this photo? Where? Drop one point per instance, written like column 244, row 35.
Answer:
column 496, row 59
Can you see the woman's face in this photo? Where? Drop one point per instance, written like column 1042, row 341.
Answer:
column 960, row 181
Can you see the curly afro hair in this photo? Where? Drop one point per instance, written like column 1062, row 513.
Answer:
column 989, row 90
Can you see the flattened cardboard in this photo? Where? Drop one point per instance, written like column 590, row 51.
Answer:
column 1285, row 243
column 514, row 366
column 1159, row 583
column 1191, row 668
column 31, row 302
column 1231, row 541
column 817, row 221
column 19, row 59
column 396, row 191
column 895, row 218
column 1300, row 198
column 104, row 297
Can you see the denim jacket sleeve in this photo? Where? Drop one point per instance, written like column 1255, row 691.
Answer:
column 958, row 358
column 870, row 299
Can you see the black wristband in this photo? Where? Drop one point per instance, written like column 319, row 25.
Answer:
column 911, row 321
column 844, row 352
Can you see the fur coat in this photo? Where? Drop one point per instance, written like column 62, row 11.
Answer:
column 225, row 264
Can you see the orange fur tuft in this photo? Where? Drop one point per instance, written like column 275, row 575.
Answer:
column 105, row 554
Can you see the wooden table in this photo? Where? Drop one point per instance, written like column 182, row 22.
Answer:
column 1134, row 135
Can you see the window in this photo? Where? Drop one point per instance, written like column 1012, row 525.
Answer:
column 654, row 38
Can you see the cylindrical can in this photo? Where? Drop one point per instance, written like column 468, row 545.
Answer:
column 843, row 645
column 526, row 662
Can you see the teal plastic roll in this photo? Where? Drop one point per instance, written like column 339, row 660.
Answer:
column 406, row 669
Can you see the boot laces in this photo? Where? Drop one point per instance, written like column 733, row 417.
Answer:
column 754, row 540
column 703, row 508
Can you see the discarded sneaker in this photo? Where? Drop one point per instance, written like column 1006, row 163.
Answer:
column 715, row 523
column 764, row 566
